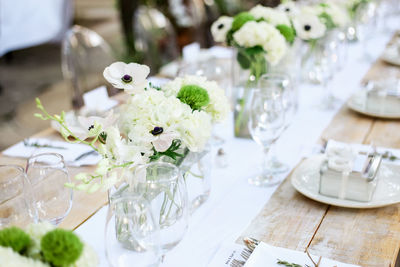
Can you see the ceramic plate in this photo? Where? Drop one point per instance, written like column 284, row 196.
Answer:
column 391, row 55
column 306, row 180
column 357, row 103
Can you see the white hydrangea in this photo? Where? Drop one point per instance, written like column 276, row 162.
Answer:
column 262, row 34
column 220, row 28
column 36, row 231
column 218, row 107
column 9, row 258
column 144, row 112
column 308, row 26
column 270, row 15
column 88, row 258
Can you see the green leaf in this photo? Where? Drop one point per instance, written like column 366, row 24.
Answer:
column 243, row 61
column 327, row 20
column 252, row 51
column 287, row 32
column 240, row 19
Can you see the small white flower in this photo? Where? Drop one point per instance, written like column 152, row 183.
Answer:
column 309, row 26
column 270, row 15
column 289, row 8
column 220, row 28
column 86, row 125
column 130, row 77
column 162, row 140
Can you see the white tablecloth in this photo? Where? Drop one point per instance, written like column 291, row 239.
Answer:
column 233, row 202
column 25, row 23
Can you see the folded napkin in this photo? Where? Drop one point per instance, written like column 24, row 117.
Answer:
column 70, row 152
column 265, row 255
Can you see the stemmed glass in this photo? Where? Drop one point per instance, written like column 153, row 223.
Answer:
column 283, row 84
column 47, row 173
column 266, row 123
column 131, row 233
column 15, row 197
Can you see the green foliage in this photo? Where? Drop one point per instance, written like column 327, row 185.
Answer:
column 61, row 248
column 288, row 264
column 15, row 238
column 194, row 96
column 253, row 58
column 327, row 20
column 170, row 152
column 240, row 19
column 287, row 32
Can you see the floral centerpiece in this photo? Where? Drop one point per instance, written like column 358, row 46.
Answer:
column 42, row 245
column 168, row 123
column 260, row 37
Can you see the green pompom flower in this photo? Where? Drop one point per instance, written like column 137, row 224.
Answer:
column 61, row 247
column 194, row 96
column 15, row 238
column 240, row 19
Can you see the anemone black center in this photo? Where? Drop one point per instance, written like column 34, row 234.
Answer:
column 307, row 27
column 220, row 26
column 126, row 78
column 157, row 130
column 90, row 127
column 287, row 9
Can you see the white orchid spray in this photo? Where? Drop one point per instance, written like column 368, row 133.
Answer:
column 154, row 123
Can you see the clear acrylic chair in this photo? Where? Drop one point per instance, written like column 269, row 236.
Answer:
column 155, row 38
column 84, row 55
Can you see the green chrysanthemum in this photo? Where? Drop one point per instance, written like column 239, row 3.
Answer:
column 240, row 19
column 15, row 238
column 194, row 96
column 61, row 247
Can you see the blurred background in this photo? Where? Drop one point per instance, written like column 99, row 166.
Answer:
column 57, row 49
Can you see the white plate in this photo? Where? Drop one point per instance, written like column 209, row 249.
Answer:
column 306, row 180
column 357, row 103
column 391, row 55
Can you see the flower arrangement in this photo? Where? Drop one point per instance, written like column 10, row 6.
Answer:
column 154, row 123
column 42, row 245
column 261, row 37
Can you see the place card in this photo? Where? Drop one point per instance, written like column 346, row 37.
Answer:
column 97, row 99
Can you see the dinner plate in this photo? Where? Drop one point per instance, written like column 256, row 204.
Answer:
column 357, row 103
column 391, row 55
column 305, row 180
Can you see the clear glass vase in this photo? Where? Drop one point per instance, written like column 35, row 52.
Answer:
column 244, row 81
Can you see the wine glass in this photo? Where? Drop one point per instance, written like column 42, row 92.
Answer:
column 283, row 84
column 15, row 197
column 48, row 174
column 266, row 123
column 162, row 184
column 131, row 233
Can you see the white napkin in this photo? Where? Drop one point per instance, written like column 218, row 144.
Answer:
column 266, row 255
column 69, row 151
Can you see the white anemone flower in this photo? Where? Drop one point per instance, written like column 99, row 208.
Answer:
column 289, row 8
column 86, row 125
column 220, row 28
column 309, row 26
column 130, row 77
column 162, row 139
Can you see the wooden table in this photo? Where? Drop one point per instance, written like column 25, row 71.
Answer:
column 368, row 237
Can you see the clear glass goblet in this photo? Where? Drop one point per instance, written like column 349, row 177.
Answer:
column 131, row 233
column 16, row 200
column 48, row 174
column 266, row 123
column 283, row 84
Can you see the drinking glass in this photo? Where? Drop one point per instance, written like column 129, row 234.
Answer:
column 283, row 84
column 131, row 233
column 48, row 174
column 266, row 123
column 15, row 198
